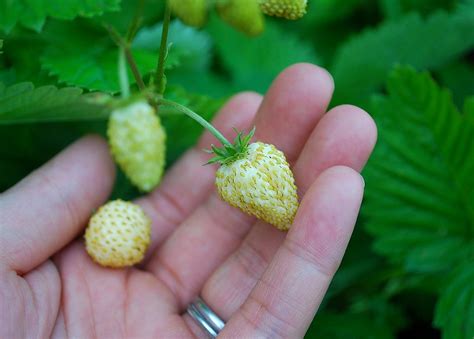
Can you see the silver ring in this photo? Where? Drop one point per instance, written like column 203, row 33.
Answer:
column 205, row 317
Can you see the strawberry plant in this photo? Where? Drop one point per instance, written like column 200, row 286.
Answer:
column 149, row 77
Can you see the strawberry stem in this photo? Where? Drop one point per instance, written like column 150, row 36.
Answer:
column 123, row 76
column 196, row 117
column 160, row 69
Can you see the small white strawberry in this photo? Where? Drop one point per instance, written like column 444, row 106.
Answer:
column 118, row 234
column 244, row 15
column 257, row 179
column 288, row 9
column 138, row 143
column 191, row 12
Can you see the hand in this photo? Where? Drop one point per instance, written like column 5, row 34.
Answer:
column 261, row 281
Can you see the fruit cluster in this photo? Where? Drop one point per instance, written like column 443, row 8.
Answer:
column 254, row 177
column 244, row 15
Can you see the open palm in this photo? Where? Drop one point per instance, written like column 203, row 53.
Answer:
column 261, row 281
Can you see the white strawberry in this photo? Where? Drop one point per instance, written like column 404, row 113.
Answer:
column 137, row 142
column 244, row 15
column 257, row 179
column 288, row 9
column 118, row 234
column 191, row 12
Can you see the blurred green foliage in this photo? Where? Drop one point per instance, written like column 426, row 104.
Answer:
column 409, row 267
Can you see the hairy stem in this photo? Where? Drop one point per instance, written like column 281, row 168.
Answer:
column 196, row 117
column 160, row 69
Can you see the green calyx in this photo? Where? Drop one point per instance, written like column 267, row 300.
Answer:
column 226, row 154
column 232, row 152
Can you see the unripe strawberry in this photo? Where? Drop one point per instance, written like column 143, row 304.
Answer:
column 137, row 142
column 191, row 12
column 288, row 9
column 118, row 234
column 244, row 15
column 258, row 180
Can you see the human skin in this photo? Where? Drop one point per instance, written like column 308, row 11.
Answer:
column 261, row 281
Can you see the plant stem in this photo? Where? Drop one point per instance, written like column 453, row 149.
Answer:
column 197, row 118
column 123, row 76
column 136, row 22
column 134, row 68
column 128, row 55
column 160, row 69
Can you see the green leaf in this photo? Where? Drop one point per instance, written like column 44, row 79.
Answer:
column 86, row 57
column 17, row 56
column 324, row 11
column 194, row 50
column 363, row 63
column 192, row 47
column 152, row 12
column 395, row 8
column 469, row 109
column 458, row 77
column 33, row 13
column 202, row 82
column 22, row 103
column 420, row 188
column 455, row 308
column 254, row 62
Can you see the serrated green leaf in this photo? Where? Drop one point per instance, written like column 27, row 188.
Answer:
column 363, row 63
column 420, row 188
column 253, row 63
column 23, row 103
column 33, row 13
column 455, row 309
column 86, row 57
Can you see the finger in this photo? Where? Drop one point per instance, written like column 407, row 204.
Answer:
column 215, row 229
column 49, row 208
column 29, row 304
column 345, row 136
column 285, row 299
column 45, row 291
column 180, row 193
column 294, row 104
